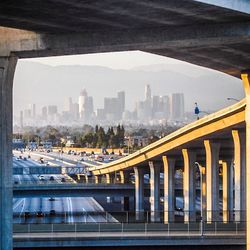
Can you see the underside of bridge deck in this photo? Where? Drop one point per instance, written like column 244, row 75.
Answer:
column 193, row 31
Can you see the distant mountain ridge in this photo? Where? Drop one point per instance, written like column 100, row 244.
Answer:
column 42, row 84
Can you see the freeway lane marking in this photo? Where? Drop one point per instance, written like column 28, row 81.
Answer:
column 18, row 203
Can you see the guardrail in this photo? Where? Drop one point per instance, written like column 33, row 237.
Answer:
column 127, row 217
column 169, row 229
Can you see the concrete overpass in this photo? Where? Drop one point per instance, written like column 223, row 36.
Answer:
column 210, row 33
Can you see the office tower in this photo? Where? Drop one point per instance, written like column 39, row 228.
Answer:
column 147, row 93
column 44, row 113
column 52, row 110
column 68, row 104
column 111, row 108
column 86, row 106
column 177, row 107
column 82, row 97
column 121, row 101
column 75, row 111
column 21, row 120
column 34, row 111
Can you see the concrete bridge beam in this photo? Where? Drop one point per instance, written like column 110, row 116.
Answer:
column 189, row 158
column 212, row 178
column 169, row 188
column 7, row 69
column 139, row 192
column 239, row 139
column 154, row 191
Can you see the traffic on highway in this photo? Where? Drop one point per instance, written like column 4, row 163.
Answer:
column 53, row 209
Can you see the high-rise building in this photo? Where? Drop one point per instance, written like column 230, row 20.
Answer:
column 34, row 111
column 147, row 93
column 177, row 107
column 21, row 119
column 52, row 110
column 44, row 113
column 68, row 104
column 86, row 106
column 121, row 102
column 82, row 97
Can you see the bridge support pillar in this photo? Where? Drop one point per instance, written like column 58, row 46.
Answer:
column 169, row 189
column 154, row 191
column 139, row 193
column 98, row 179
column 246, row 81
column 212, row 179
column 227, row 189
column 7, row 69
column 86, row 178
column 108, row 178
column 239, row 139
column 189, row 158
column 124, row 176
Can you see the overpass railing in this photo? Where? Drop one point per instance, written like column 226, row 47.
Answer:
column 127, row 217
column 167, row 229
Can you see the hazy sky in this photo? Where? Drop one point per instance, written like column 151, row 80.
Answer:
column 114, row 60
column 129, row 71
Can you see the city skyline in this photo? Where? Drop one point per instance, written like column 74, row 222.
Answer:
column 153, row 109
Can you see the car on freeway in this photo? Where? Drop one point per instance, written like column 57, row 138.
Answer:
column 52, row 212
column 26, row 214
column 39, row 214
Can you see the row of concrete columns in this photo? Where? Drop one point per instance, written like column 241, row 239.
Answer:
column 122, row 178
column 233, row 171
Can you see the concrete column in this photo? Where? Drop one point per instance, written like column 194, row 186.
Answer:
column 7, row 69
column 154, row 191
column 108, row 178
column 246, row 81
column 189, row 194
column 98, row 179
column 124, row 176
column 226, row 190
column 169, row 188
column 139, row 192
column 86, row 179
column 212, row 179
column 239, row 139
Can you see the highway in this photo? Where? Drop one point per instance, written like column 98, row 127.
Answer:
column 59, row 210
column 53, row 209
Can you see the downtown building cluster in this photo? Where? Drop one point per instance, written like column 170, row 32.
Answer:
column 153, row 110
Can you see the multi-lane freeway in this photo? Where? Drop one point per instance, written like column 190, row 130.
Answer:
column 53, row 209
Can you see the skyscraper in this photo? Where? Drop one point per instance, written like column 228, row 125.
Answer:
column 147, row 93
column 121, row 104
column 68, row 104
column 86, row 106
column 82, row 97
column 177, row 107
column 44, row 113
